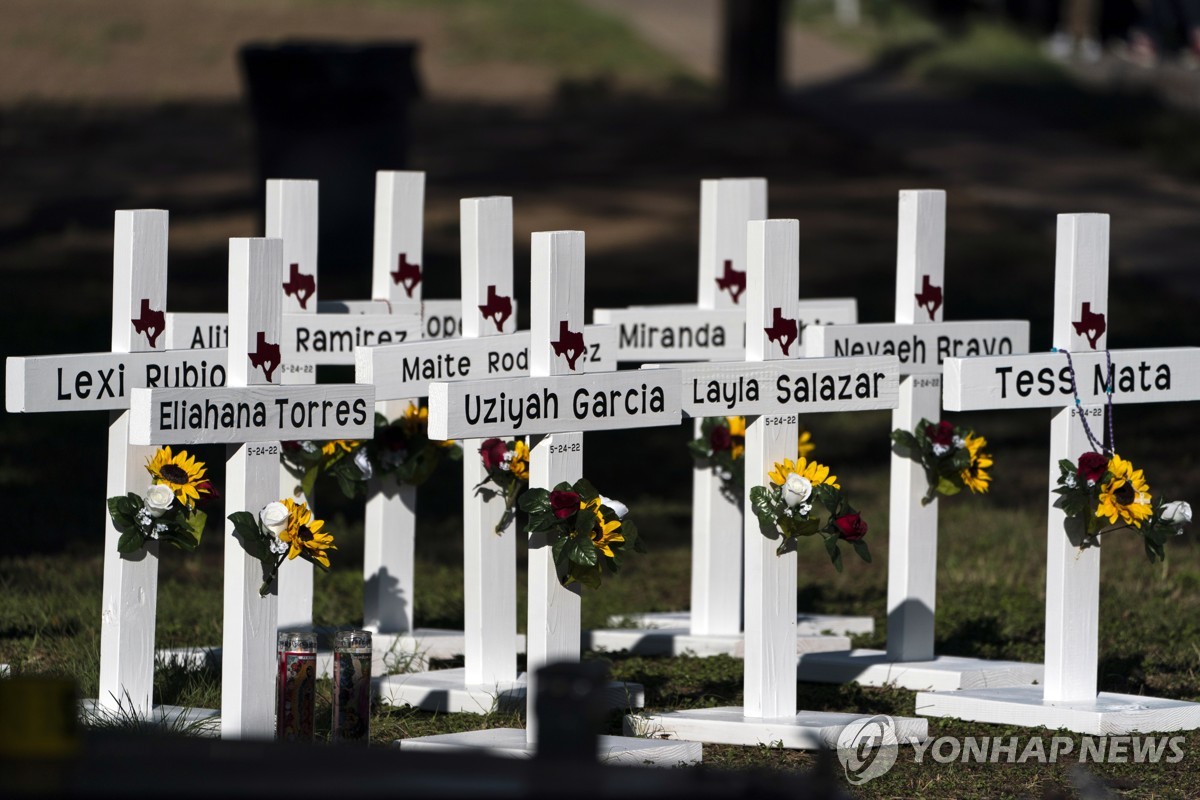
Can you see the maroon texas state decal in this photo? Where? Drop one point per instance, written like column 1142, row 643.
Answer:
column 149, row 322
column 265, row 354
column 569, row 345
column 406, row 274
column 300, row 286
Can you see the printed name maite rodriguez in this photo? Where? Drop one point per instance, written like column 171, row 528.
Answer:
column 252, row 414
column 590, row 402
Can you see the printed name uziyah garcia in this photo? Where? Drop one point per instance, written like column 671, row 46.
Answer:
column 920, row 348
column 102, row 381
column 560, row 404
column 807, row 385
column 251, row 414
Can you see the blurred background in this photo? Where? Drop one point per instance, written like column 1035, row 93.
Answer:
column 603, row 116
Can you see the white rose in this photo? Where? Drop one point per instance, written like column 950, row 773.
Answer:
column 274, row 517
column 615, row 505
column 1177, row 513
column 159, row 499
column 796, row 489
column 362, row 460
column 940, row 450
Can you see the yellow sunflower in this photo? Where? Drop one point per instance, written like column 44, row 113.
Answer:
column 737, row 436
column 303, row 534
column 181, row 472
column 415, row 419
column 975, row 477
column 1127, row 496
column 519, row 465
column 805, row 444
column 815, row 473
column 606, row 532
column 345, row 445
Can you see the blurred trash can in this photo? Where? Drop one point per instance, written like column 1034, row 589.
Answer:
column 335, row 113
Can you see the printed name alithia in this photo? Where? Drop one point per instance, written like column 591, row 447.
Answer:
column 586, row 404
column 1145, row 377
column 217, row 415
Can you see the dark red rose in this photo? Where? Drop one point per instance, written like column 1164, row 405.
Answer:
column 207, row 491
column 942, row 433
column 290, row 446
column 1092, row 466
column 564, row 503
column 851, row 527
column 493, row 451
column 719, row 439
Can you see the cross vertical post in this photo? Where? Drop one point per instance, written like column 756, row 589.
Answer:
column 292, row 215
column 1077, row 380
column 131, row 581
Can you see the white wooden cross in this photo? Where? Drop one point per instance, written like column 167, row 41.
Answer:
column 315, row 334
column 251, row 415
column 772, row 388
column 562, row 400
column 489, row 349
column 922, row 341
column 104, row 381
column 1069, row 698
column 714, row 330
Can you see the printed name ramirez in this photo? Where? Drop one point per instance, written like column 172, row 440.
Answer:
column 254, row 414
column 560, row 404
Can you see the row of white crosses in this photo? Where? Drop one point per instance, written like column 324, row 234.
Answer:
column 714, row 330
column 251, row 415
column 489, row 348
column 1069, row 699
column 557, row 382
column 921, row 341
column 773, row 388
column 104, row 382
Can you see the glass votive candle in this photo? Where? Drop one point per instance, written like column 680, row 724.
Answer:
column 352, row 687
column 296, row 686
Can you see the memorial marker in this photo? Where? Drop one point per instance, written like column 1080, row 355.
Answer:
column 714, row 330
column 921, row 342
column 105, row 381
column 1068, row 699
column 556, row 335
column 777, row 389
column 251, row 415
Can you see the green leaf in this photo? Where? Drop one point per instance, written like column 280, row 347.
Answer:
column 835, row 555
column 195, row 525
column 585, row 490
column 905, row 444
column 699, row 449
column 863, row 551
column 584, row 522
column 1066, row 465
column 762, row 504
column 829, row 497
column 130, row 542
column 534, row 500
column 581, row 551
column 948, row 487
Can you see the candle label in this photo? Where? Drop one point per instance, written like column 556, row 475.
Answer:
column 296, row 693
column 352, row 695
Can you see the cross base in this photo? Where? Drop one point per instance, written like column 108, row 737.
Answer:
column 939, row 674
column 175, row 719
column 511, row 743
column 807, row 730
column 1108, row 714
column 806, row 624
column 447, row 690
column 680, row 641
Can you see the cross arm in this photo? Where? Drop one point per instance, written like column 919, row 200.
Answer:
column 921, row 348
column 1043, row 380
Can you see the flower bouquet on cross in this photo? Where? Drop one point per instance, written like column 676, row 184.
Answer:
column 953, row 458
column 587, row 532
column 284, row 529
column 347, row 460
column 721, row 447
column 787, row 507
column 169, row 511
column 507, row 465
column 1108, row 494
column 403, row 448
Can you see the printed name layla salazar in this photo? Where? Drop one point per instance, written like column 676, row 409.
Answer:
column 586, row 404
column 215, row 415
